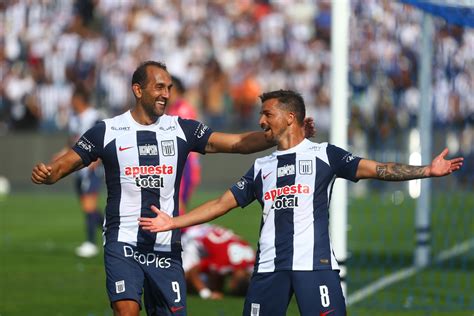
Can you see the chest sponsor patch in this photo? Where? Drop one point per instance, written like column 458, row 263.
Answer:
column 148, row 150
column 286, row 170
column 149, row 176
column 286, row 190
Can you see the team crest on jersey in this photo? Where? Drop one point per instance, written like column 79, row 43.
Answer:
column 306, row 167
column 167, row 148
column 148, row 150
column 286, row 170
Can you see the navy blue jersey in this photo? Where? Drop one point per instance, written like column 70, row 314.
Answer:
column 143, row 167
column 293, row 188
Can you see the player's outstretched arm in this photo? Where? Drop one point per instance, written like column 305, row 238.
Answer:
column 201, row 214
column 391, row 171
column 247, row 143
column 50, row 173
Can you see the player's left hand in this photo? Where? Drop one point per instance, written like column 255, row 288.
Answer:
column 160, row 223
column 441, row 167
column 309, row 128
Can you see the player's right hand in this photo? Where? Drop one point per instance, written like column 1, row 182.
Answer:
column 162, row 222
column 40, row 173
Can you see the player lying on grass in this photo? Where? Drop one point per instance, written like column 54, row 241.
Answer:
column 214, row 259
column 293, row 186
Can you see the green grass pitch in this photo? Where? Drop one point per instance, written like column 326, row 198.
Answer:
column 40, row 275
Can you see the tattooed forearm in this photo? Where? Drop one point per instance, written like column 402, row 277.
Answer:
column 400, row 172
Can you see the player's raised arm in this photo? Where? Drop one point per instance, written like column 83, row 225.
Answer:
column 391, row 171
column 250, row 142
column 50, row 173
column 245, row 143
column 201, row 214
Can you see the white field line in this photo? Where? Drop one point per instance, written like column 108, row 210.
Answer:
column 400, row 275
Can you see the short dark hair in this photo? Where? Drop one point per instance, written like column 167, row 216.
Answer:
column 288, row 100
column 140, row 76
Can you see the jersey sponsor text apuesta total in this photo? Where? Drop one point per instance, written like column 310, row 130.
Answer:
column 143, row 167
column 293, row 188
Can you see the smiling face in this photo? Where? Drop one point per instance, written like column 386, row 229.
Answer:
column 274, row 120
column 153, row 96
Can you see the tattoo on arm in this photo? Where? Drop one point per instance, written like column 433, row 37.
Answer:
column 400, row 172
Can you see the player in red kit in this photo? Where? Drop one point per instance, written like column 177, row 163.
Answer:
column 213, row 255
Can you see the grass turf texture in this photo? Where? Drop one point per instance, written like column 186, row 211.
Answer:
column 40, row 275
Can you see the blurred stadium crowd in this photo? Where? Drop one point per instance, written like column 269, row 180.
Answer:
column 227, row 53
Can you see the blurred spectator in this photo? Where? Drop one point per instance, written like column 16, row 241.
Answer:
column 226, row 48
column 214, row 94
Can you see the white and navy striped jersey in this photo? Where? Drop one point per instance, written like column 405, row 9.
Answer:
column 78, row 125
column 293, row 188
column 143, row 167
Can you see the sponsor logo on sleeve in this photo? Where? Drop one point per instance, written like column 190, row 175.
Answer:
column 167, row 148
column 306, row 167
column 286, row 170
column 241, row 184
column 201, row 130
column 85, row 144
column 348, row 158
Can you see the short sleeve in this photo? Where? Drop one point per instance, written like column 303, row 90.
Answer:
column 343, row 163
column 90, row 145
column 244, row 189
column 197, row 134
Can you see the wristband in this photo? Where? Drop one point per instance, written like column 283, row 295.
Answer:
column 205, row 293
